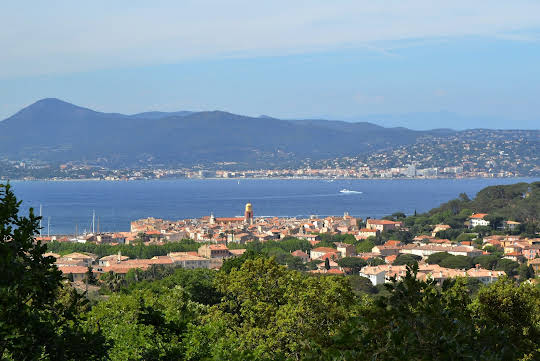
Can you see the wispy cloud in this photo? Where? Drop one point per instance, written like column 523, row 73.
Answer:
column 66, row 36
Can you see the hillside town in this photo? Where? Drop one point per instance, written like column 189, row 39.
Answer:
column 222, row 238
column 473, row 153
column 30, row 170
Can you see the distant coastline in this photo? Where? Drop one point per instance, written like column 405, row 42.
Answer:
column 254, row 178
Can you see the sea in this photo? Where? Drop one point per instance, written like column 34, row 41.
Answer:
column 67, row 205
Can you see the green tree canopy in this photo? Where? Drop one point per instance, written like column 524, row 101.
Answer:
column 36, row 320
column 437, row 258
column 355, row 264
column 269, row 312
column 457, row 262
column 145, row 325
column 406, row 259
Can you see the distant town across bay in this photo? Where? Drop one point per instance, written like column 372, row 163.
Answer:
column 69, row 206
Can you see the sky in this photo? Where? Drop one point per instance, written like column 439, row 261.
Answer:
column 418, row 64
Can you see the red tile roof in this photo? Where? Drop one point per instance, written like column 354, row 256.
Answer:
column 479, row 215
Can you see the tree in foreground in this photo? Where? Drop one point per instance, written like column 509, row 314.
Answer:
column 145, row 325
column 271, row 313
column 420, row 320
column 38, row 315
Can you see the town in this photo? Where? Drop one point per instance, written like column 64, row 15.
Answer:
column 473, row 153
column 32, row 170
column 223, row 238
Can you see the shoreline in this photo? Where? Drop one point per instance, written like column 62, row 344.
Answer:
column 257, row 178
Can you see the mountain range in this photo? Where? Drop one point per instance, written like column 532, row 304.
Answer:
column 56, row 131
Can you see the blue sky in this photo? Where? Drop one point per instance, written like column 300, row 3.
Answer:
column 419, row 64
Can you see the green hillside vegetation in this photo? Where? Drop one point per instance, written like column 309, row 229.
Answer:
column 516, row 202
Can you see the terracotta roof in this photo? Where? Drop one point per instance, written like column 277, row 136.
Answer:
column 330, row 255
column 216, row 247
column 335, row 271
column 238, row 252
column 79, row 255
column 73, row 269
column 323, row 249
column 230, row 219
column 390, row 259
column 478, row 215
column 381, row 221
column 299, row 253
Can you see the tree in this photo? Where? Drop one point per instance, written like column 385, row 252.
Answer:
column 355, row 264
column 495, row 221
column 89, row 276
column 145, row 325
column 487, row 261
column 457, row 262
column 365, row 246
column 236, row 262
column 34, row 322
column 437, row 258
column 508, row 266
column 406, row 259
column 313, row 264
column 198, row 283
column 419, row 320
column 375, row 261
column 467, row 237
column 113, row 281
column 525, row 272
column 425, row 323
column 327, row 263
column 508, row 319
column 271, row 313
column 361, row 285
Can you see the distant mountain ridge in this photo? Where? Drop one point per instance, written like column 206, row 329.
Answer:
column 56, row 131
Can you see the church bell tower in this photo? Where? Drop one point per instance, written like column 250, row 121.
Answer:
column 248, row 215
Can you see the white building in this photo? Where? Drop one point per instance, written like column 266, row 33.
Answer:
column 477, row 219
column 376, row 274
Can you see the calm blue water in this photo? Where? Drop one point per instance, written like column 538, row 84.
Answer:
column 118, row 203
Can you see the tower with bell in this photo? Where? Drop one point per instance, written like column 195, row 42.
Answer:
column 248, row 214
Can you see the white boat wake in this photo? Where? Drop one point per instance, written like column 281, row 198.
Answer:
column 348, row 191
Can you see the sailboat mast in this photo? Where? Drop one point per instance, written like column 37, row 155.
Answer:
column 93, row 222
column 40, row 209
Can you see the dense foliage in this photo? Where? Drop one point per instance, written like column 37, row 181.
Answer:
column 420, row 321
column 255, row 308
column 40, row 318
column 138, row 250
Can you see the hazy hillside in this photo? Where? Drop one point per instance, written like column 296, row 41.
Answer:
column 53, row 130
